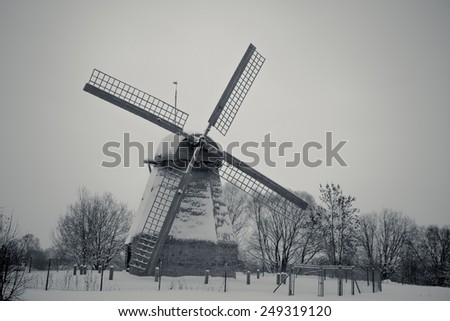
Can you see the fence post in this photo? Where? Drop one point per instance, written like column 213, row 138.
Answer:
column 100, row 269
column 367, row 276
column 248, row 277
column 101, row 277
column 257, row 273
column 379, row 280
column 48, row 273
column 353, row 280
column 156, row 274
column 380, row 287
column 206, row 276
column 160, row 274
column 225, row 281
column 373, row 280
column 340, row 285
column 111, row 272
column 278, row 278
column 291, row 284
column 29, row 267
column 321, row 279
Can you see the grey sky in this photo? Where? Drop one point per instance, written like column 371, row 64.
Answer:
column 374, row 73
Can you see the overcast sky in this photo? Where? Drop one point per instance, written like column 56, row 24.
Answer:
column 376, row 74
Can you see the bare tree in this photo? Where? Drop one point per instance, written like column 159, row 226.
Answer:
column 383, row 238
column 13, row 279
column 33, row 253
column 368, row 228
column 30, row 243
column 393, row 233
column 236, row 200
column 339, row 225
column 278, row 238
column 434, row 253
column 310, row 241
column 256, row 246
column 94, row 229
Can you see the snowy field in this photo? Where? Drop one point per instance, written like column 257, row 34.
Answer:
column 64, row 286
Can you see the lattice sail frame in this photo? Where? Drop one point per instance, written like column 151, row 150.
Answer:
column 138, row 98
column 258, row 190
column 237, row 90
column 163, row 199
column 147, row 239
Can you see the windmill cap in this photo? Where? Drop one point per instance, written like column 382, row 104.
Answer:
column 177, row 148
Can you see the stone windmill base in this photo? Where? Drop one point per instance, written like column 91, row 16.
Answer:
column 194, row 257
column 177, row 258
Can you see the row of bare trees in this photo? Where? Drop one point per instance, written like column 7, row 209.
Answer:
column 94, row 228
column 334, row 232
column 92, row 232
column 277, row 240
column 404, row 251
column 383, row 237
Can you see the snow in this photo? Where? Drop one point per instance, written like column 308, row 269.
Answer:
column 198, row 218
column 126, row 287
column 145, row 205
column 195, row 219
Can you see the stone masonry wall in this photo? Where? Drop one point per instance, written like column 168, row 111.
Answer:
column 193, row 257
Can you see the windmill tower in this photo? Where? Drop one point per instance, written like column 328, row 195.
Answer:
column 183, row 195
column 201, row 236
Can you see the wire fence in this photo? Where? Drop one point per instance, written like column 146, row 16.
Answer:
column 329, row 281
column 341, row 279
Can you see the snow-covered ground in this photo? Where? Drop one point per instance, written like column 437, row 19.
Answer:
column 64, row 286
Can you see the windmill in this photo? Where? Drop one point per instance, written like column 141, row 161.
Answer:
column 190, row 156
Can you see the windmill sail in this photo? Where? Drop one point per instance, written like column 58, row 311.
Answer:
column 158, row 221
column 136, row 101
column 236, row 90
column 259, row 186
